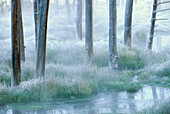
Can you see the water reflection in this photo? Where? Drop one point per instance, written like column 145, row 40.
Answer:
column 110, row 102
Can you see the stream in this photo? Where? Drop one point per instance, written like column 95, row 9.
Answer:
column 105, row 102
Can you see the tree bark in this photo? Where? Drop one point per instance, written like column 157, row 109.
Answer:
column 79, row 19
column 68, row 7
column 43, row 6
column 22, row 38
column 36, row 21
column 89, row 29
column 128, row 23
column 152, row 28
column 16, row 42
column 113, row 57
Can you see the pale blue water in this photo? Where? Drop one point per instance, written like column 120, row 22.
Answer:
column 107, row 102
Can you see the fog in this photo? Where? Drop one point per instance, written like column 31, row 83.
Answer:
column 69, row 76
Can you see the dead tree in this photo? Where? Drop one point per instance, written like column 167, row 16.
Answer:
column 16, row 42
column 36, row 21
column 22, row 38
column 89, row 29
column 68, row 7
column 79, row 19
column 128, row 23
column 74, row 2
column 113, row 57
column 152, row 28
column 43, row 6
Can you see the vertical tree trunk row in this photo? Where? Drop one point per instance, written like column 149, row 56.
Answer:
column 36, row 21
column 79, row 19
column 113, row 57
column 43, row 6
column 128, row 23
column 152, row 28
column 89, row 29
column 16, row 42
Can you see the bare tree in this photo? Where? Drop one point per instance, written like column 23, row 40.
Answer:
column 113, row 57
column 79, row 19
column 74, row 2
column 68, row 7
column 36, row 21
column 128, row 22
column 16, row 42
column 89, row 29
column 43, row 6
column 152, row 28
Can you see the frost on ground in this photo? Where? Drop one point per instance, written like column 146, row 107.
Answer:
column 67, row 74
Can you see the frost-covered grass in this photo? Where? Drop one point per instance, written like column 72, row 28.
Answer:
column 67, row 74
column 162, row 107
column 69, row 77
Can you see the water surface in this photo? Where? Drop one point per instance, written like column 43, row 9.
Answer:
column 106, row 102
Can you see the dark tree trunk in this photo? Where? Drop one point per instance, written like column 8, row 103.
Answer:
column 79, row 19
column 43, row 6
column 152, row 28
column 22, row 38
column 89, row 29
column 36, row 21
column 128, row 23
column 113, row 57
column 68, row 7
column 16, row 42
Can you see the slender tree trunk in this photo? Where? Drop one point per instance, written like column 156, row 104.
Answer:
column 57, row 5
column 152, row 28
column 16, row 42
column 79, row 19
column 43, row 6
column 89, row 29
column 74, row 2
column 113, row 57
column 68, row 7
column 36, row 22
column 128, row 23
column 22, row 38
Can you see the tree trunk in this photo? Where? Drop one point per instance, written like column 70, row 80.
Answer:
column 152, row 28
column 74, row 2
column 113, row 57
column 89, row 29
column 128, row 23
column 22, row 38
column 68, row 7
column 36, row 21
column 79, row 19
column 43, row 6
column 16, row 42
column 57, row 5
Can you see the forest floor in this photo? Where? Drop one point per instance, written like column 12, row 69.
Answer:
column 67, row 74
